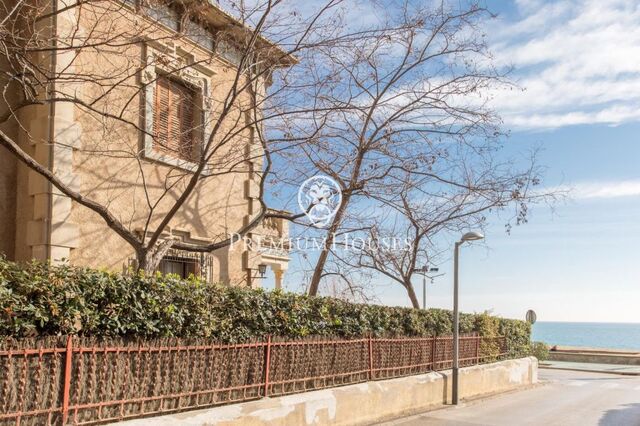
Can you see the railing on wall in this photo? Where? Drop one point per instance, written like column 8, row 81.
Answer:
column 76, row 380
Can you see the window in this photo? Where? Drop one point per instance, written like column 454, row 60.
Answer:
column 184, row 264
column 198, row 34
column 229, row 51
column 179, row 266
column 176, row 104
column 174, row 119
column 170, row 16
column 164, row 14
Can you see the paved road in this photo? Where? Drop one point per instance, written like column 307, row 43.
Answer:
column 565, row 398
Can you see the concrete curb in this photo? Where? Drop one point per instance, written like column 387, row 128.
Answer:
column 595, row 355
column 587, row 370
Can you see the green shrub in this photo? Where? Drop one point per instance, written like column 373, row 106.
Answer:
column 540, row 350
column 518, row 334
column 39, row 299
column 489, row 326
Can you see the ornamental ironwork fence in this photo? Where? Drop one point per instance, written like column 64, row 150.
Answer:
column 79, row 380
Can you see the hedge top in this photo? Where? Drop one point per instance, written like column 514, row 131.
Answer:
column 39, row 299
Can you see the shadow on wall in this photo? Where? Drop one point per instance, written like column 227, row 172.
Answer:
column 117, row 183
column 445, row 387
column 628, row 414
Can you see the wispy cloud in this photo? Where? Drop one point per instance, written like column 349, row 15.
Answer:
column 602, row 190
column 577, row 62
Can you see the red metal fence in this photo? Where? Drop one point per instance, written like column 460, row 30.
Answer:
column 76, row 380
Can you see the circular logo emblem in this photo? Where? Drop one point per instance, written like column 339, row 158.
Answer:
column 319, row 198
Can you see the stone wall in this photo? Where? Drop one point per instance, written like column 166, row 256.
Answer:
column 363, row 403
column 598, row 357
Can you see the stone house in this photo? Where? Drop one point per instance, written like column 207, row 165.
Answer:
column 186, row 68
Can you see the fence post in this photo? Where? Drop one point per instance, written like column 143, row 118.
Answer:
column 434, row 343
column 66, row 391
column 370, row 357
column 267, row 365
column 478, row 349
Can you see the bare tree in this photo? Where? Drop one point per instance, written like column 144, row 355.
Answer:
column 393, row 110
column 110, row 60
column 426, row 211
column 405, row 112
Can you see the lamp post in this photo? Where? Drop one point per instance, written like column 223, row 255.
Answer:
column 424, row 290
column 469, row 236
column 423, row 271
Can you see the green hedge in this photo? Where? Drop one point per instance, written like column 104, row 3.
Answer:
column 38, row 299
column 540, row 350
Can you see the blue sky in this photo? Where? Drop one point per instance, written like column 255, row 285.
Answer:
column 577, row 65
column 579, row 263
column 576, row 263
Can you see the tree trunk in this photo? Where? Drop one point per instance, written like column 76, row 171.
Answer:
column 317, row 272
column 412, row 295
column 141, row 259
column 324, row 254
column 149, row 258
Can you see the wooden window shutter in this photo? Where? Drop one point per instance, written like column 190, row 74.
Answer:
column 174, row 119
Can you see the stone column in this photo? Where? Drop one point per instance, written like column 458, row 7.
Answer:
column 50, row 233
column 279, row 273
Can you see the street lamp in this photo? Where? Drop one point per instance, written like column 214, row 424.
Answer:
column 423, row 271
column 469, row 236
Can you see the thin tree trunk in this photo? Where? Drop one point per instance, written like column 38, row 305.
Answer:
column 141, row 259
column 412, row 295
column 149, row 258
column 156, row 255
column 324, row 253
column 337, row 219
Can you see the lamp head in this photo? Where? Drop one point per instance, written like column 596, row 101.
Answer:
column 472, row 236
column 262, row 270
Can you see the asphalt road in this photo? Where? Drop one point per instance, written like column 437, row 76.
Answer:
column 564, row 398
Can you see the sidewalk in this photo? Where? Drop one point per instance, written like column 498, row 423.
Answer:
column 628, row 370
column 568, row 398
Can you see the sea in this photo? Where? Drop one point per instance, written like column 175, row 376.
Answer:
column 588, row 334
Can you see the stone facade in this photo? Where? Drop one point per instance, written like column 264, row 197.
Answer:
column 38, row 222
